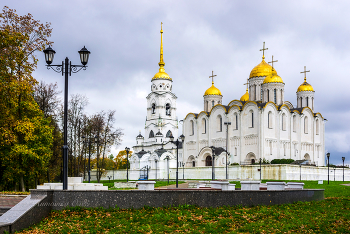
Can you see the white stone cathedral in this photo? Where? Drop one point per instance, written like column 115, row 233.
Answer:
column 261, row 125
column 154, row 150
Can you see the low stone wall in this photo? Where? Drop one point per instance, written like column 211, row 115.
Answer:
column 40, row 202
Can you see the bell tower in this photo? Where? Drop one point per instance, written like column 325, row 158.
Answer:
column 161, row 120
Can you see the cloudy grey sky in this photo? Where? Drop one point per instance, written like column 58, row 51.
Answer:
column 200, row 36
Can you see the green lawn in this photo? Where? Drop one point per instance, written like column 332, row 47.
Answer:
column 328, row 216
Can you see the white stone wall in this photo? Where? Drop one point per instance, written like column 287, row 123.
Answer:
column 245, row 172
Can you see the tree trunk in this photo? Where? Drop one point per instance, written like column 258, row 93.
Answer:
column 22, row 184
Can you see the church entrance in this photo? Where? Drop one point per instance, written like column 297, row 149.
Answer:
column 208, row 161
column 250, row 158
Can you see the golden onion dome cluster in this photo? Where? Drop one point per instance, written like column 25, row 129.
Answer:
column 245, row 97
column 212, row 91
column 262, row 69
column 273, row 78
column 305, row 87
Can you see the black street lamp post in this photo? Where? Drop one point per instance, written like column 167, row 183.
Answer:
column 127, row 163
column 227, row 123
column 177, row 143
column 260, row 168
column 167, row 159
column 343, row 158
column 156, row 161
column 89, row 141
column 328, row 155
column 183, row 170
column 66, row 68
column 212, row 164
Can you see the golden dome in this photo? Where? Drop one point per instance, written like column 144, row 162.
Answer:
column 263, row 69
column 161, row 75
column 305, row 87
column 212, row 91
column 245, row 97
column 273, row 78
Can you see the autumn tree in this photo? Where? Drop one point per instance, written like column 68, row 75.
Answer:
column 25, row 133
column 121, row 160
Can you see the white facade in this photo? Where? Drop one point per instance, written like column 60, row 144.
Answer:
column 263, row 127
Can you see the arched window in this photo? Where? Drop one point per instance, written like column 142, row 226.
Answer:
column 255, row 96
column 284, row 122
column 252, row 119
column 268, row 95
column 169, row 133
column 261, row 94
column 306, row 125
column 192, row 127
column 274, row 96
column 204, row 126
column 219, row 123
column 193, row 163
column 151, row 134
column 153, row 108
column 235, row 127
column 212, row 104
column 301, row 102
column 269, row 120
column 167, row 109
column 207, row 106
column 294, row 123
column 317, row 127
column 208, row 161
column 307, row 101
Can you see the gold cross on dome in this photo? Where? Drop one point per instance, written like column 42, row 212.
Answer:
column 273, row 62
column 246, row 84
column 305, row 71
column 263, row 50
column 212, row 77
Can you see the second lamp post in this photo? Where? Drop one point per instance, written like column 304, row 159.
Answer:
column 127, row 150
column 177, row 143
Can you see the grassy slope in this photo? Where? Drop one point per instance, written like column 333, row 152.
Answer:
column 330, row 215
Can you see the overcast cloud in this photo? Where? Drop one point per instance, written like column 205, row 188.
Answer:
column 200, row 36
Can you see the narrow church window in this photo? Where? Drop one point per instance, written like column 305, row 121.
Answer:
column 270, row 147
column 252, row 119
column 294, row 123
column 307, row 101
column 269, row 120
column 268, row 95
column 219, row 122
column 207, row 106
column 204, row 125
column 167, row 109
column 284, row 149
column 212, row 104
column 235, row 151
column 306, row 127
column 151, row 134
column 169, row 133
column 236, row 117
column 192, row 127
column 274, row 96
column 193, row 163
column 153, row 108
column 261, row 94
column 255, row 93
column 208, row 161
column 284, row 120
column 317, row 127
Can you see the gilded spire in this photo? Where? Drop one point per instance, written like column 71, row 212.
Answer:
column 161, row 62
column 161, row 74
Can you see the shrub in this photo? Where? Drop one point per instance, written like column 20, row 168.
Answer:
column 282, row 161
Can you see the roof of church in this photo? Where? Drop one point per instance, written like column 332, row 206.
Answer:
column 305, row 87
column 141, row 153
column 159, row 152
column 212, row 90
column 159, row 134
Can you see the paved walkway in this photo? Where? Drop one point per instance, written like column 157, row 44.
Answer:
column 9, row 201
column 172, row 186
column 346, row 184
